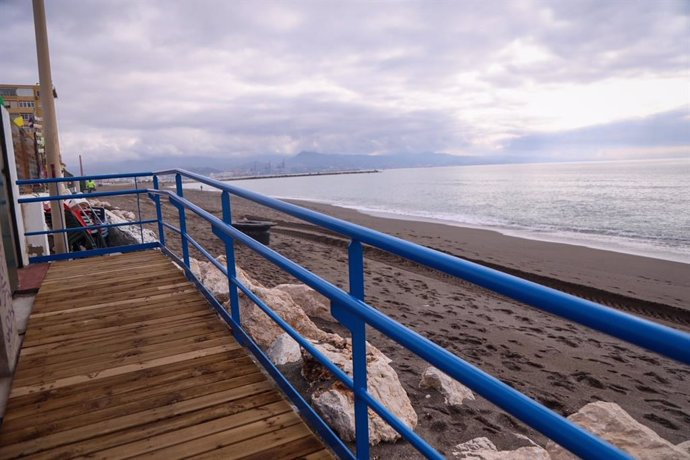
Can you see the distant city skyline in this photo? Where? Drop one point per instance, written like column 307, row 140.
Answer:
column 533, row 80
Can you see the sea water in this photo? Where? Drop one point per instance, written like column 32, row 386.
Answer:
column 639, row 207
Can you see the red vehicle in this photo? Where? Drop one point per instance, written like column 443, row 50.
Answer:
column 78, row 213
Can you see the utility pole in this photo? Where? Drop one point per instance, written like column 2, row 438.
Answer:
column 52, row 143
column 81, row 166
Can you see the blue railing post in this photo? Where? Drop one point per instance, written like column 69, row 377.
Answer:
column 183, row 222
column 359, row 348
column 230, row 256
column 141, row 226
column 159, row 212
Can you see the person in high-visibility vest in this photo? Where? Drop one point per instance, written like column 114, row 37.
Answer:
column 90, row 185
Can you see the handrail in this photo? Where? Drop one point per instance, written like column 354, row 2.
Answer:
column 54, row 180
column 553, row 425
column 39, row 199
column 69, row 230
column 354, row 313
column 569, row 435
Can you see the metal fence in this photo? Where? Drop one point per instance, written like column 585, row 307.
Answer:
column 352, row 312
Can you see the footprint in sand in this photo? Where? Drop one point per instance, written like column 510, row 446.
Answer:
column 661, row 421
column 588, row 379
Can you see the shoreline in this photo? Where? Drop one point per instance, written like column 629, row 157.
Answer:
column 526, row 234
column 657, row 280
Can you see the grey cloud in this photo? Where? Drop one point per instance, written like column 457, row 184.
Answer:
column 668, row 129
column 151, row 75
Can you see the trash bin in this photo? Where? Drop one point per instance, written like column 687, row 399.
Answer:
column 257, row 229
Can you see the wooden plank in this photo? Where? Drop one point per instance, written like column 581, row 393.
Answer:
column 120, row 384
column 56, row 327
column 92, row 367
column 162, row 307
column 293, row 449
column 95, row 400
column 137, row 433
column 178, row 296
column 134, row 419
column 259, row 444
column 129, row 329
column 172, row 438
column 144, row 337
column 68, row 418
column 23, row 390
column 93, row 358
column 322, row 454
column 228, row 437
column 110, row 273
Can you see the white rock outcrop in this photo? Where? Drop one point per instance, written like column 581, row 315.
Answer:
column 684, row 446
column 263, row 329
column 129, row 234
column 336, row 403
column 284, row 350
column 484, row 449
column 314, row 304
column 610, row 422
column 454, row 392
column 214, row 280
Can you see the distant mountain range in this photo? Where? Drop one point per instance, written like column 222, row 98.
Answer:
column 275, row 164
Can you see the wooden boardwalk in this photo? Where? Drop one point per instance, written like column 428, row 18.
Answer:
column 123, row 358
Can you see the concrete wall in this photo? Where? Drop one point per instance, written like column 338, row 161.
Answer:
column 9, row 336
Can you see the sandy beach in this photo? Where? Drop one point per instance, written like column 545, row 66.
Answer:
column 560, row 364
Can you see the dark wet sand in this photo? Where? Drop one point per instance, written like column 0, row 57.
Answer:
column 558, row 363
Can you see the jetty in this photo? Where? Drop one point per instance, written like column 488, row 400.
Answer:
column 127, row 353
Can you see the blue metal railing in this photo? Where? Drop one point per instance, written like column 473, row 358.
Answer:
column 353, row 313
column 60, row 198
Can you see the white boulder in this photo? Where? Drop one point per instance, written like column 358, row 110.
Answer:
column 336, row 403
column 684, row 446
column 454, row 392
column 284, row 350
column 613, row 424
column 314, row 304
column 212, row 278
column 484, row 449
column 263, row 329
column 128, row 234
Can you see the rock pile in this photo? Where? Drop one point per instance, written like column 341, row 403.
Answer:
column 295, row 304
column 484, row 449
column 613, row 424
column 453, row 392
column 606, row 420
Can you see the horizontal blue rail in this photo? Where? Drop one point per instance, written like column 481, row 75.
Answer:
column 39, row 199
column 90, row 227
column 94, row 252
column 350, row 309
column 101, row 250
column 81, row 178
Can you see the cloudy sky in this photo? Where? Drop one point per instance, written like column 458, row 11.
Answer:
column 570, row 80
